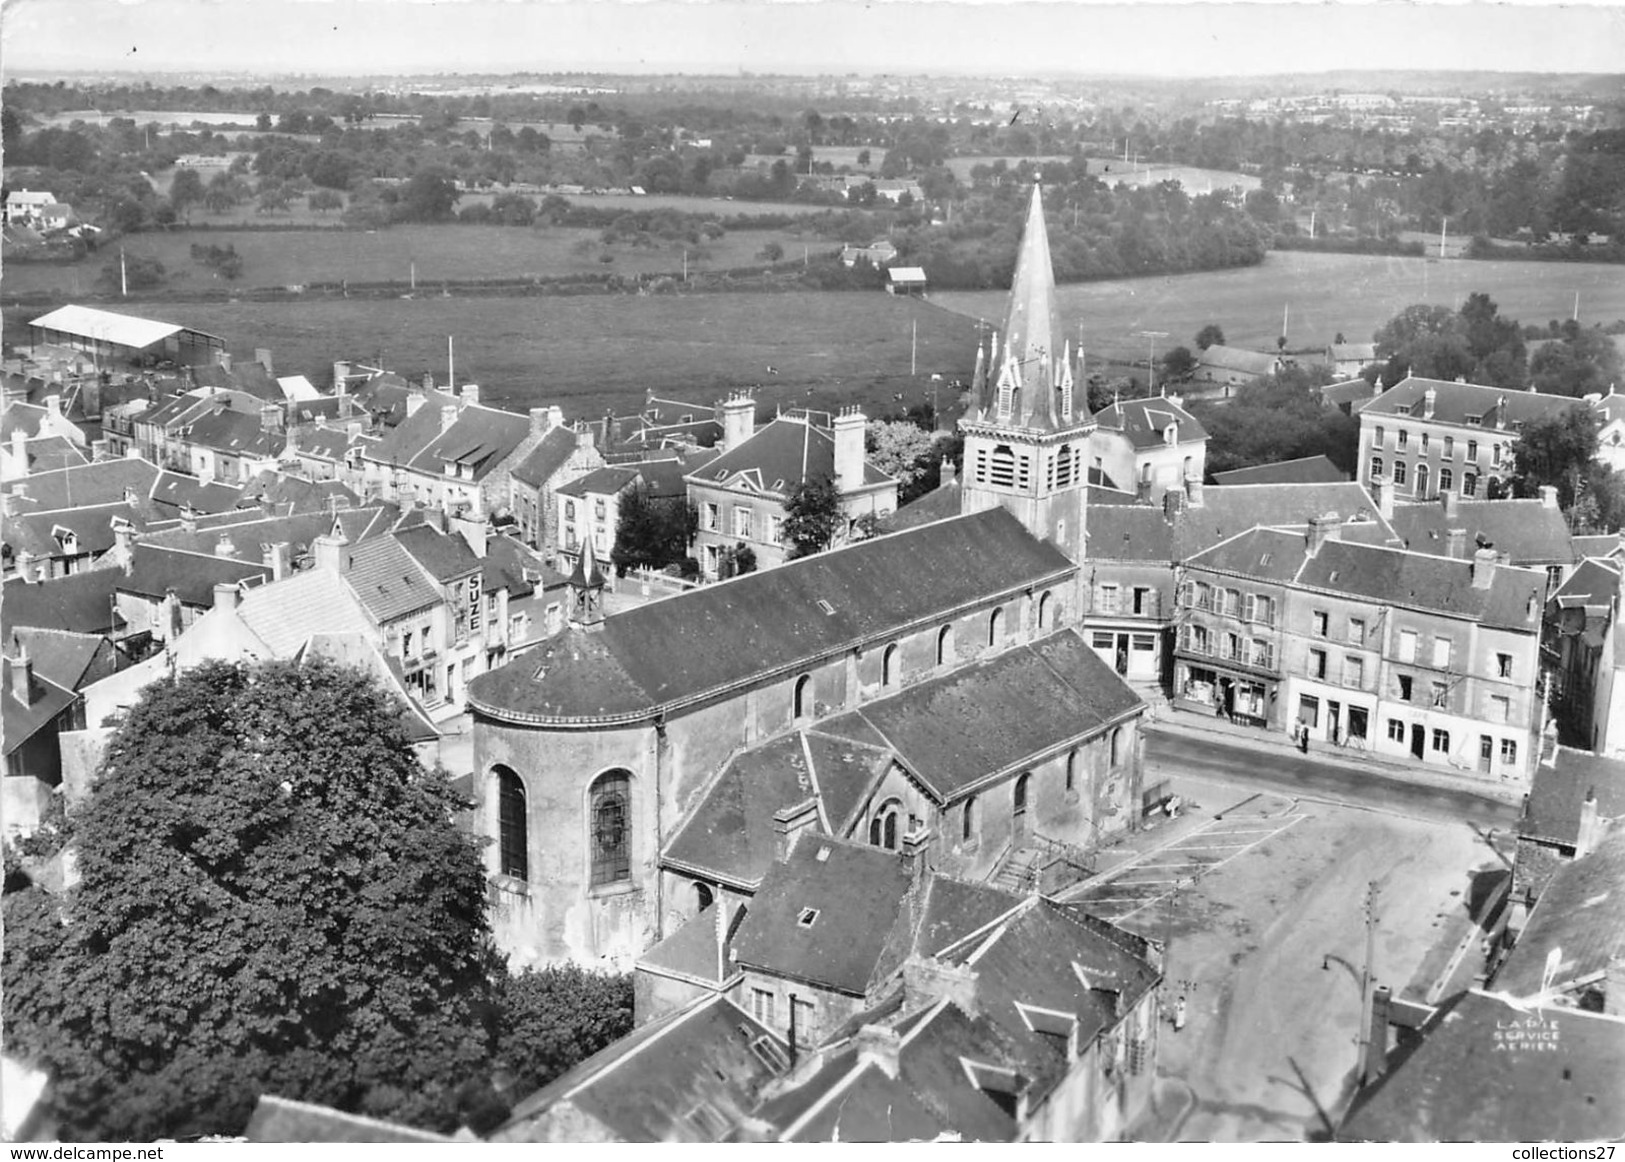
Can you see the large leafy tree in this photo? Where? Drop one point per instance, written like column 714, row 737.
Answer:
column 1475, row 343
column 273, row 899
column 1276, row 418
column 1555, row 450
column 556, row 1016
column 906, row 452
column 652, row 532
column 1577, row 362
column 812, row 515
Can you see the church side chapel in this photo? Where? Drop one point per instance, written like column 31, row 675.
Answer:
column 928, row 689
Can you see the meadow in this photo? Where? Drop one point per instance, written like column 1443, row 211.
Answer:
column 299, row 257
column 594, row 352
column 1325, row 294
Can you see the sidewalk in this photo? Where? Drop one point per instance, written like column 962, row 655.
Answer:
column 1163, row 718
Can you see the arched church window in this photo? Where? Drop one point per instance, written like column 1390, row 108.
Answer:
column 513, row 825
column 1117, row 747
column 703, row 897
column 1065, row 461
column 803, row 696
column 890, row 666
column 1019, row 802
column 995, row 627
column 609, row 822
column 967, row 827
column 945, row 645
column 1046, row 611
column 883, row 828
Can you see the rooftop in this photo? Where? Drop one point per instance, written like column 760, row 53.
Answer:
column 1144, row 422
column 108, row 326
column 1458, row 403
column 1578, row 921
column 778, row 458
column 1526, row 530
column 1304, row 470
column 1551, row 812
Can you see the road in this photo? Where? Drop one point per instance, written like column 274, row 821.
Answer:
column 1304, row 777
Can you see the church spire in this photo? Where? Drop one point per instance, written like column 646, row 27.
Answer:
column 1034, row 376
column 587, row 589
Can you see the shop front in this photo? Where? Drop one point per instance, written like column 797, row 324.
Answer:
column 1245, row 699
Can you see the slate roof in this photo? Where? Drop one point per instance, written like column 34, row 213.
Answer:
column 444, row 556
column 940, row 503
column 249, row 532
column 1593, row 582
column 403, row 443
column 1058, row 957
column 1605, row 545
column 1342, row 352
column 1257, row 363
column 1124, row 532
column 1453, row 1086
column 643, row 1087
column 954, row 731
column 22, row 722
column 82, row 602
column 692, row 951
column 388, row 581
column 852, row 1100
column 70, row 660
column 358, row 649
column 538, row 465
column 779, row 457
column 234, row 434
column 854, row 890
column 481, row 438
column 1526, row 530
column 91, row 526
column 280, row 1119
column 509, row 565
column 1385, row 575
column 245, row 376
column 1143, row 421
column 154, row 571
column 1551, row 812
column 686, row 648
column 104, row 482
column 1454, row 402
column 320, row 442
column 49, row 453
column 1224, row 512
column 601, row 481
column 295, row 494
column 285, row 614
column 1354, row 392
column 179, row 491
column 1305, row 470
column 1581, row 913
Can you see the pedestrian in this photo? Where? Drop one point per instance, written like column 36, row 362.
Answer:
column 1303, row 740
column 1179, row 1014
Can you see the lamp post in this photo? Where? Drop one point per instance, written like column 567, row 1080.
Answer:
column 1151, row 338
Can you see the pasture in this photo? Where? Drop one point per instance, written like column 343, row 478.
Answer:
column 591, row 352
column 1326, row 293
column 289, row 258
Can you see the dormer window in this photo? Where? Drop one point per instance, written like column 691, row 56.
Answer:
column 1475, row 421
column 808, row 917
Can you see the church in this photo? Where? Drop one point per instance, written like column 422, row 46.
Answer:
column 928, row 691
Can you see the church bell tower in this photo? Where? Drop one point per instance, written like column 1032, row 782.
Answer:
column 1027, row 431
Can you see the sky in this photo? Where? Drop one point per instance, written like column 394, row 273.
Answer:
column 992, row 37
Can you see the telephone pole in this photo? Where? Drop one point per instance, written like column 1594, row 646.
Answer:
column 1365, row 1069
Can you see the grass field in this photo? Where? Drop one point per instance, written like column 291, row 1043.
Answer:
column 1327, row 293
column 439, row 252
column 588, row 353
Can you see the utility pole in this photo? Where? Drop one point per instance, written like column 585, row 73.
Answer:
column 1444, row 229
column 123, row 275
column 914, row 348
column 1151, row 338
column 1365, row 980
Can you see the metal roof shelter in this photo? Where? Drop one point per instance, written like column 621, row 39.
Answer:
column 122, row 336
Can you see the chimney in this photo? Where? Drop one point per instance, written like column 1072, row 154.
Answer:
column 1384, row 490
column 224, row 547
column 189, row 519
column 541, row 421
column 25, row 566
column 414, row 400
column 448, row 416
column 346, row 404
column 878, row 1046
column 271, row 418
column 262, row 356
column 1193, row 491
column 1173, row 502
column 53, row 404
column 1455, row 543
column 585, row 437
column 1429, row 398
column 789, row 823
column 330, row 552
column 927, row 981
column 948, row 475
column 98, row 450
column 470, row 393
column 738, row 420
column 341, row 373
column 225, row 595
column 22, row 677
column 849, row 431
column 1548, row 496
column 1483, row 568
column 279, row 559
column 123, row 540
column 19, row 451
column 1590, row 830
column 916, row 849
column 205, row 470
column 224, row 359
column 427, row 382
column 1322, row 529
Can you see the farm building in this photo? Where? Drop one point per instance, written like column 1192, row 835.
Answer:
column 905, row 280
column 1233, row 366
column 115, row 336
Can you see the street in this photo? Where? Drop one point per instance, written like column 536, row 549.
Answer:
column 1260, row 896
column 1304, row 775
